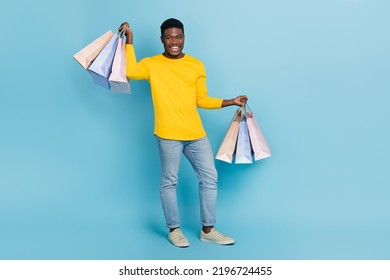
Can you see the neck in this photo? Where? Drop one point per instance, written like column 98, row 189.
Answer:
column 167, row 55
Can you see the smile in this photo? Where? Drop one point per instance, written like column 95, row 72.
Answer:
column 174, row 48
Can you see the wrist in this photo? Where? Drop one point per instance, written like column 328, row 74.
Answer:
column 228, row 102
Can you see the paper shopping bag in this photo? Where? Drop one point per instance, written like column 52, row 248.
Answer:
column 243, row 149
column 118, row 80
column 100, row 68
column 228, row 145
column 86, row 56
column 259, row 144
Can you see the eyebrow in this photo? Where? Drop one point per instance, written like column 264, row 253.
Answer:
column 176, row 36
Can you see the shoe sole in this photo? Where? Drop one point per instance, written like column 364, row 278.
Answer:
column 180, row 245
column 218, row 242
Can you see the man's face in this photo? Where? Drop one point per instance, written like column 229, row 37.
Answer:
column 173, row 40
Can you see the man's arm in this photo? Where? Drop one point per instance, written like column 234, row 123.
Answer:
column 207, row 102
column 239, row 101
column 127, row 31
column 134, row 70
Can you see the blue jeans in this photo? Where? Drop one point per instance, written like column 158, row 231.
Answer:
column 201, row 157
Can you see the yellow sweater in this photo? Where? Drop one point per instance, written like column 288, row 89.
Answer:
column 178, row 87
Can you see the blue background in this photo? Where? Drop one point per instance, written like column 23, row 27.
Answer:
column 79, row 168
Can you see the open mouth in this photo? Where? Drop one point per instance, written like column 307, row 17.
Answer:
column 174, row 48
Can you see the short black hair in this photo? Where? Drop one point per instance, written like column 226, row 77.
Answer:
column 171, row 22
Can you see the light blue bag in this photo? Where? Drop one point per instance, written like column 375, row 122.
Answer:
column 100, row 68
column 244, row 148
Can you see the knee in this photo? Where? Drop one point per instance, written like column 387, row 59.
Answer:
column 168, row 181
column 209, row 179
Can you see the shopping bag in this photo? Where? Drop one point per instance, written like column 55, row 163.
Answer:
column 228, row 145
column 86, row 55
column 118, row 81
column 100, row 68
column 243, row 149
column 260, row 146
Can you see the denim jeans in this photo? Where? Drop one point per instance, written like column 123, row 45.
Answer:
column 201, row 157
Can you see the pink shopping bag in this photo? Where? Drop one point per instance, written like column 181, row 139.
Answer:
column 260, row 146
column 118, row 80
column 88, row 54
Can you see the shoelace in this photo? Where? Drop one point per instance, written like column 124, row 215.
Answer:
column 218, row 234
column 179, row 235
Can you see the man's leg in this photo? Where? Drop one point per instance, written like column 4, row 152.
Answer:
column 200, row 154
column 170, row 155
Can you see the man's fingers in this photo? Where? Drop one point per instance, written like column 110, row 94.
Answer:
column 123, row 27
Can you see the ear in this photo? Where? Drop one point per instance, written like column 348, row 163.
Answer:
column 162, row 40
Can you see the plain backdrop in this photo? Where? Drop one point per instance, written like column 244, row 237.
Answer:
column 79, row 167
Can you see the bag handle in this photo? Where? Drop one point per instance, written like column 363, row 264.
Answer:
column 121, row 33
column 250, row 112
column 243, row 111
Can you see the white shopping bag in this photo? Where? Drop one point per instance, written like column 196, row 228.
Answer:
column 118, row 80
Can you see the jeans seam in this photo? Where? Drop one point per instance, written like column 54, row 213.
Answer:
column 202, row 182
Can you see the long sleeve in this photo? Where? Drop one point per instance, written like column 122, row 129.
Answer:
column 134, row 70
column 202, row 99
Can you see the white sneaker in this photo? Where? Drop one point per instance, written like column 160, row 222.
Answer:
column 178, row 239
column 216, row 237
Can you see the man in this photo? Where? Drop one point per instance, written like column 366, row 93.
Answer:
column 178, row 85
